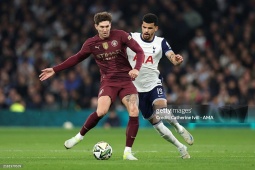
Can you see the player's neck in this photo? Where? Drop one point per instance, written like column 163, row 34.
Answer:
column 102, row 38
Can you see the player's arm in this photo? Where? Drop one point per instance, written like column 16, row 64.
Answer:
column 140, row 58
column 69, row 62
column 134, row 46
column 176, row 59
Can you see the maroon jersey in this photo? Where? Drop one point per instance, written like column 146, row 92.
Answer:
column 110, row 55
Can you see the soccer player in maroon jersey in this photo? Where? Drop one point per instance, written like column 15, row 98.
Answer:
column 109, row 50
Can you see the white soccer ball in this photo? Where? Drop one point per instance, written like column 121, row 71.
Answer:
column 68, row 125
column 102, row 150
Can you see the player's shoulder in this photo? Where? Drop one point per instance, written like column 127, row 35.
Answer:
column 117, row 32
column 157, row 38
column 136, row 36
column 92, row 40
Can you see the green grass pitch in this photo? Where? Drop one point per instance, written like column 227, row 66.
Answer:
column 42, row 148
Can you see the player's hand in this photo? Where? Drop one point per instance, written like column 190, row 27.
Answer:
column 133, row 73
column 46, row 73
column 178, row 59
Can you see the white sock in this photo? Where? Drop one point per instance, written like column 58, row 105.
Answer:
column 79, row 136
column 167, row 134
column 178, row 127
column 127, row 149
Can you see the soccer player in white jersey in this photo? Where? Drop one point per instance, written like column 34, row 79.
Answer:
column 149, row 83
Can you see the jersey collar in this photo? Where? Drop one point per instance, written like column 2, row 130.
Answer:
column 146, row 40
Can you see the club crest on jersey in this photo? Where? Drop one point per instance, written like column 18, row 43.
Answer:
column 114, row 43
column 105, row 45
column 129, row 37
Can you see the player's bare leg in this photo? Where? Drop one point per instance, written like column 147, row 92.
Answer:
column 104, row 103
column 131, row 103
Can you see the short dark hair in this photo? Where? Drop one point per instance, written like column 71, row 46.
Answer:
column 102, row 16
column 151, row 18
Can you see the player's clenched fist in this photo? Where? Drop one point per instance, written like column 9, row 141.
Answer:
column 178, row 59
column 133, row 73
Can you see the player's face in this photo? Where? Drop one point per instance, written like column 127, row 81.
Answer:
column 148, row 31
column 103, row 29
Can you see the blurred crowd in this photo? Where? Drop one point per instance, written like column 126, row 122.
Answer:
column 216, row 39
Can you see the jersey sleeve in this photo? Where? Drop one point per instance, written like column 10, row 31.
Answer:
column 165, row 46
column 134, row 46
column 75, row 59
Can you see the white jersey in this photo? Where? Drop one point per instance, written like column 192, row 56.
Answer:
column 148, row 77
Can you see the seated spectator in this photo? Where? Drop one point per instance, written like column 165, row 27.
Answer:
column 50, row 102
column 18, row 105
column 3, row 104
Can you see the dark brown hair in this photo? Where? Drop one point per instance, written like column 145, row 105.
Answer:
column 151, row 18
column 102, row 16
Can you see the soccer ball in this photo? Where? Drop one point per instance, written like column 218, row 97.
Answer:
column 102, row 150
column 68, row 125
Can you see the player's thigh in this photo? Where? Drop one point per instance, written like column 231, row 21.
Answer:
column 159, row 104
column 131, row 103
column 145, row 105
column 104, row 103
column 107, row 95
column 129, row 97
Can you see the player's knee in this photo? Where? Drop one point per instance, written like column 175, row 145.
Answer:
column 133, row 111
column 101, row 112
column 154, row 120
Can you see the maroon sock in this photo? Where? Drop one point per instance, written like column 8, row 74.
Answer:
column 132, row 128
column 91, row 122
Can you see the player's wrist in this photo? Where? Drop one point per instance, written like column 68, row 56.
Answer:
column 136, row 68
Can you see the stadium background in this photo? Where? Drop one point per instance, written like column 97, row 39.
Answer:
column 215, row 37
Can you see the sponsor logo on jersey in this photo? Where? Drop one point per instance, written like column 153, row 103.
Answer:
column 146, row 60
column 114, row 43
column 105, row 45
column 97, row 47
column 109, row 55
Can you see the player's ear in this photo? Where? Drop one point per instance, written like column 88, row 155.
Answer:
column 156, row 28
column 95, row 25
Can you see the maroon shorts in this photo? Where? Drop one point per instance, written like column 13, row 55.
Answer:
column 113, row 89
